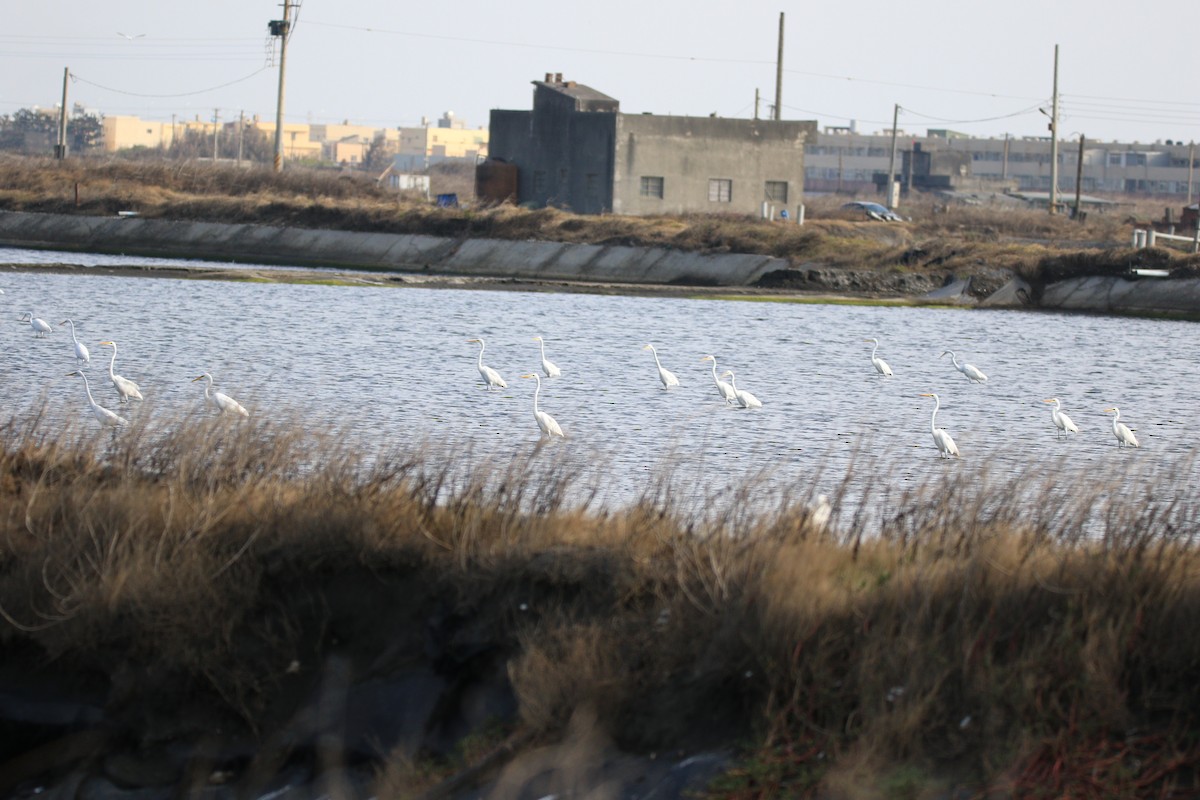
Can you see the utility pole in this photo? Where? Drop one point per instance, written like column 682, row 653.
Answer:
column 60, row 149
column 1191, row 168
column 892, row 164
column 282, row 29
column 779, row 74
column 1078, row 178
column 1004, row 163
column 1054, row 138
column 756, row 102
column 241, row 134
column 216, row 131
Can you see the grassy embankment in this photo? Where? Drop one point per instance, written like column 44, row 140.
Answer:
column 1031, row 638
column 939, row 239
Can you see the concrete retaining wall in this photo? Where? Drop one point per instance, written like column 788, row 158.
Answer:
column 264, row 244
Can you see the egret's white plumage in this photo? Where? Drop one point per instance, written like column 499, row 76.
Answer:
column 548, row 367
column 40, row 326
column 81, row 352
column 108, row 419
column 222, row 402
column 1125, row 437
column 819, row 512
column 125, row 387
column 744, row 398
column 490, row 376
column 547, row 423
column 1061, row 421
column 724, row 387
column 880, row 365
column 973, row 373
column 945, row 445
column 665, row 375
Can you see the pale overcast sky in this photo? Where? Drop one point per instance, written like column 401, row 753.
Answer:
column 1125, row 73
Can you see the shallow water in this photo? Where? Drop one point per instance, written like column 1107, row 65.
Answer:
column 393, row 367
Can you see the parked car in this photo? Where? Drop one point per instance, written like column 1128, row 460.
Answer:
column 875, row 211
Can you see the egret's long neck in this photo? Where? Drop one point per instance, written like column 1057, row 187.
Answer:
column 537, row 389
column 733, row 381
column 481, row 346
column 87, row 388
column 937, row 403
column 874, row 350
column 654, row 353
column 72, row 324
column 112, row 362
column 716, row 380
column 542, row 344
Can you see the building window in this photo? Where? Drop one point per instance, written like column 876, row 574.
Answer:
column 539, row 182
column 776, row 191
column 720, row 190
column 652, row 186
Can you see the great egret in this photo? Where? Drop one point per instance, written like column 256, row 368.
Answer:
column 546, row 422
column 881, row 366
column 548, row 367
column 490, row 376
column 726, row 389
column 81, row 352
column 945, row 445
column 222, row 402
column 665, row 375
column 973, row 373
column 40, row 326
column 746, row 399
column 1125, row 437
column 125, row 387
column 1061, row 420
column 819, row 512
column 108, row 419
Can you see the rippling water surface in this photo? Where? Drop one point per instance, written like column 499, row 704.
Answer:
column 392, row 365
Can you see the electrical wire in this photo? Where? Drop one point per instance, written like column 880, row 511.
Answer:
column 75, row 77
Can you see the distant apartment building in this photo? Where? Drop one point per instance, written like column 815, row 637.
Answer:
column 575, row 149
column 843, row 160
column 449, row 140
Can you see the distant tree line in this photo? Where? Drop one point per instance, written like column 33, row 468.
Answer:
column 32, row 130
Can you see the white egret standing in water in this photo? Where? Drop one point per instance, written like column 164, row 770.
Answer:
column 547, row 423
column 1061, row 421
column 125, row 387
column 881, row 366
column 1125, row 437
column 945, row 445
column 548, row 367
column 81, row 352
column 490, row 376
column 665, row 375
column 725, row 388
column 40, row 326
column 973, row 373
column 108, row 419
column 746, row 399
column 222, row 402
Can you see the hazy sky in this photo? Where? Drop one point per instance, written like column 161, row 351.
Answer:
column 1125, row 73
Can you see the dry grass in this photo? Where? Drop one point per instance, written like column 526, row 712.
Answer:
column 940, row 239
column 1029, row 636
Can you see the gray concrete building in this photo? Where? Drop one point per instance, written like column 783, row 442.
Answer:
column 575, row 149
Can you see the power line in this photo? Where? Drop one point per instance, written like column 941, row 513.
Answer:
column 177, row 94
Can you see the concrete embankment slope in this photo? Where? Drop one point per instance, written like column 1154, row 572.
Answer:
column 263, row 244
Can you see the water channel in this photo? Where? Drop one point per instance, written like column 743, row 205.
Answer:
column 393, row 367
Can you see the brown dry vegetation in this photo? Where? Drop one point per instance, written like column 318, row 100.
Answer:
column 1029, row 638
column 942, row 239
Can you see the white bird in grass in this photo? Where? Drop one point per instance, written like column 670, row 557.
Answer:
column 222, row 402
column 1061, row 420
column 40, row 326
column 81, row 352
column 819, row 512
column 881, row 366
column 125, row 387
column 746, row 399
column 108, row 419
column 547, row 423
column 725, row 388
column 548, row 367
column 1125, row 437
column 665, row 375
column 490, row 376
column 973, row 373
column 945, row 445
